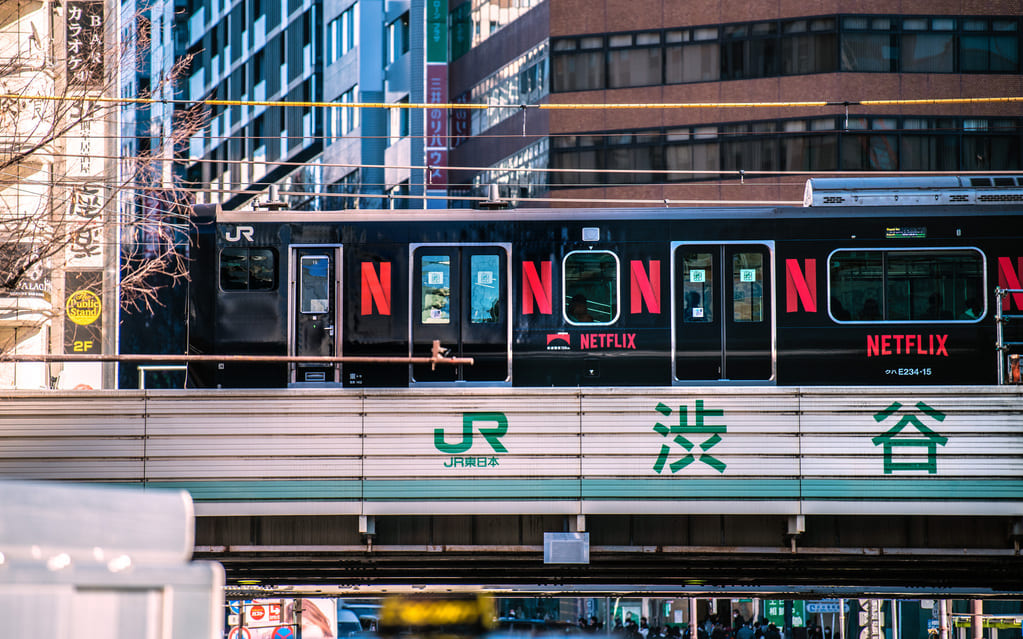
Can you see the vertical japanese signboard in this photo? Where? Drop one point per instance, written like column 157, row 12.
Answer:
column 461, row 121
column 84, row 33
column 83, row 309
column 84, row 210
column 436, row 120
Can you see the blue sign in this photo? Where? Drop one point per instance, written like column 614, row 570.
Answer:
column 235, row 607
column 283, row 632
column 825, row 607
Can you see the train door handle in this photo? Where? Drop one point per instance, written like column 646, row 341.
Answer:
column 330, row 330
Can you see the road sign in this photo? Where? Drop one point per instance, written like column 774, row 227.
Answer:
column 283, row 632
column 235, row 607
column 257, row 613
column 239, row 633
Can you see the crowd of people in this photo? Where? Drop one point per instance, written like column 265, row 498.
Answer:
column 710, row 628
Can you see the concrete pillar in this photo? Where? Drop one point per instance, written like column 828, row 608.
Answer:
column 977, row 619
column 943, row 619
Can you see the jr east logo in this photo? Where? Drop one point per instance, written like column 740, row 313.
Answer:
column 492, row 427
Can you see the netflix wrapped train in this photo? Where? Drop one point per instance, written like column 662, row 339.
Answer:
column 875, row 281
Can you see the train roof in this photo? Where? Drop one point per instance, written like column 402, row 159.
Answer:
column 916, row 196
column 588, row 214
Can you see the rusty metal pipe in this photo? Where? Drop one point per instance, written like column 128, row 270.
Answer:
column 436, row 358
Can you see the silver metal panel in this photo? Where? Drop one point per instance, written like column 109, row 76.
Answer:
column 826, row 445
column 760, row 436
column 541, row 437
column 230, row 468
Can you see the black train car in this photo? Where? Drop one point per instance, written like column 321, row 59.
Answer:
column 876, row 281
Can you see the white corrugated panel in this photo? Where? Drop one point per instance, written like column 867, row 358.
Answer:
column 921, row 448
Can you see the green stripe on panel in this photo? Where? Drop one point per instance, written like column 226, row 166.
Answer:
column 470, row 489
column 906, row 488
column 679, row 488
column 866, row 489
column 267, row 490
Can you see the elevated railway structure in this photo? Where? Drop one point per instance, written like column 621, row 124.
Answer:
column 871, row 489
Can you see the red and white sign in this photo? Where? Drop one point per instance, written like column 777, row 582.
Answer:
column 264, row 613
column 239, row 633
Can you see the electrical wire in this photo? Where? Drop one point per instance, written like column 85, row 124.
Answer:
column 719, row 173
column 500, row 105
column 424, row 167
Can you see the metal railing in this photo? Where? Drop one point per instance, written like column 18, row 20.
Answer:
column 1008, row 362
column 143, row 369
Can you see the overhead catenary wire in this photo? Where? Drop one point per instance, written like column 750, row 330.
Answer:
column 423, row 167
column 719, row 173
column 542, row 106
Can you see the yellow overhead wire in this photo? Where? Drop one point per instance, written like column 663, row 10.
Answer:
column 546, row 106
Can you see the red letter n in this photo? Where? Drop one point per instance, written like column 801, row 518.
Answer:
column 537, row 287
column 801, row 285
column 376, row 289
column 1009, row 278
column 643, row 288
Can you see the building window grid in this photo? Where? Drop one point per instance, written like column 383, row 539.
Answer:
column 819, row 44
column 521, row 81
column 861, row 143
column 519, row 183
column 342, row 34
column 350, row 184
column 397, row 38
column 490, row 16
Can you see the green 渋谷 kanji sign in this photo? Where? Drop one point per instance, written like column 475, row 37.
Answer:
column 683, row 428
column 898, row 437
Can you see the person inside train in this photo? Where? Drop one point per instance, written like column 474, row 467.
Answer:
column 972, row 309
column 838, row 310
column 578, row 309
column 935, row 308
column 871, row 310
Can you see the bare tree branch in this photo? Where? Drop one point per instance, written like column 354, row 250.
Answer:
column 61, row 205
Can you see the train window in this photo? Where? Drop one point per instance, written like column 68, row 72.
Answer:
column 591, row 287
column 436, row 289
column 485, row 294
column 247, row 269
column 314, row 283
column 698, row 287
column 748, row 287
column 906, row 286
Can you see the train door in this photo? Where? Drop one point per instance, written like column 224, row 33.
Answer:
column 314, row 313
column 460, row 297
column 723, row 312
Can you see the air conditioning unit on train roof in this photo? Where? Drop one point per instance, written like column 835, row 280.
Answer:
column 913, row 191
